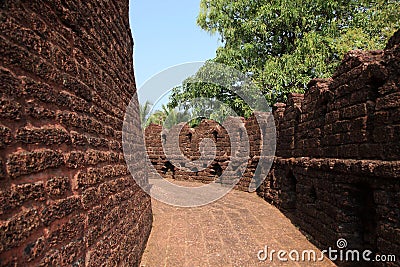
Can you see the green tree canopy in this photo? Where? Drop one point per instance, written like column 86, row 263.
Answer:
column 213, row 92
column 282, row 44
column 166, row 116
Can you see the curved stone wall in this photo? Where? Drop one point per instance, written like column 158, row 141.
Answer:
column 66, row 195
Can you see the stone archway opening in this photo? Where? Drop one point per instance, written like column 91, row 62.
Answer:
column 168, row 170
column 216, row 169
column 189, row 136
column 215, row 135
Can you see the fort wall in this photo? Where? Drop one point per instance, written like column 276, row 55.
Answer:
column 66, row 195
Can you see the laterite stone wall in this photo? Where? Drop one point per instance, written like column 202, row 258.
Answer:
column 191, row 147
column 66, row 78
column 337, row 166
column 336, row 172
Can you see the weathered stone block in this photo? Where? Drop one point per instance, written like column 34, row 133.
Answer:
column 22, row 163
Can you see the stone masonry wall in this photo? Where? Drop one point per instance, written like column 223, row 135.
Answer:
column 66, row 78
column 336, row 173
column 337, row 170
column 190, row 146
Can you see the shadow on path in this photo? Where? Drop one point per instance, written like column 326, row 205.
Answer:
column 228, row 232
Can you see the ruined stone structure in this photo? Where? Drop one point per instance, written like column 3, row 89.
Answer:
column 336, row 172
column 67, row 196
column 337, row 168
column 189, row 140
column 190, row 144
column 66, row 78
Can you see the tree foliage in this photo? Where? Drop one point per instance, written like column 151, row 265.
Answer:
column 166, row 116
column 213, row 93
column 144, row 111
column 282, row 44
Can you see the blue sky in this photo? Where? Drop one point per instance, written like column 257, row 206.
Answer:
column 166, row 34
